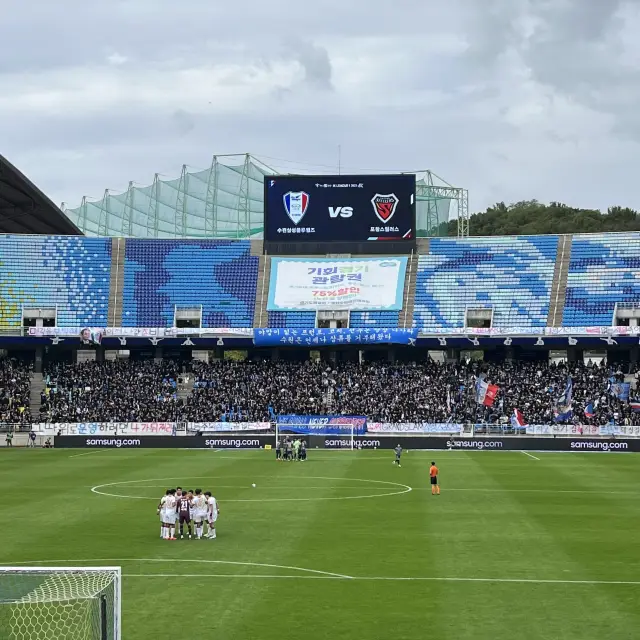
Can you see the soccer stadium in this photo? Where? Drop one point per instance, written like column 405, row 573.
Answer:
column 252, row 404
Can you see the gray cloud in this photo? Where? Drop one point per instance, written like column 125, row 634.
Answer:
column 183, row 121
column 315, row 62
column 512, row 99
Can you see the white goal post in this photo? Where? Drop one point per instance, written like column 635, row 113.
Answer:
column 51, row 603
column 284, row 429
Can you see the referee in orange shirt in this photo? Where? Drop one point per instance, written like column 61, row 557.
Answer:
column 433, row 476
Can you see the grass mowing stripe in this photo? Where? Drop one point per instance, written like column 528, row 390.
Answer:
column 572, row 556
column 566, row 522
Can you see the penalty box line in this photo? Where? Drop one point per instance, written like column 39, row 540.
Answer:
column 386, row 578
column 313, row 574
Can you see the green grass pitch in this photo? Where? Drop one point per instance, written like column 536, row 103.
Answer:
column 339, row 547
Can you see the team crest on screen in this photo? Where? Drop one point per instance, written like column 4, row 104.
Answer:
column 385, row 205
column 296, row 204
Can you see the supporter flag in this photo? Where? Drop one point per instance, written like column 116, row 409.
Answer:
column 621, row 390
column 635, row 405
column 588, row 410
column 486, row 393
column 563, row 410
column 448, row 399
column 517, row 420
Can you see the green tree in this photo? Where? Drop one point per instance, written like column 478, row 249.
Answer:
column 531, row 217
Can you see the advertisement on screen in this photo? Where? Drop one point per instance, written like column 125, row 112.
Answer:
column 300, row 284
column 362, row 208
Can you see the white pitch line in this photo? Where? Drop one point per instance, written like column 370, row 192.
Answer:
column 332, row 488
column 316, row 574
column 403, row 488
column 263, row 487
column 89, row 453
column 385, row 578
column 593, row 491
column 327, row 574
column 528, row 454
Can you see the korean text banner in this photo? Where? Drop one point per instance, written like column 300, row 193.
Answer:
column 223, row 427
column 141, row 332
column 302, row 284
column 332, row 337
column 362, row 208
column 107, row 428
column 333, row 425
column 414, row 427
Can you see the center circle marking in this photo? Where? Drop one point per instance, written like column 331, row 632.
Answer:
column 387, row 488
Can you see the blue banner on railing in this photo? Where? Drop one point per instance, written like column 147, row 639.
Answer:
column 332, row 337
column 327, row 425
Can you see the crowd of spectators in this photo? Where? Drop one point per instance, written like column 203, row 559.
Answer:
column 258, row 391
column 15, row 392
column 385, row 392
column 112, row 391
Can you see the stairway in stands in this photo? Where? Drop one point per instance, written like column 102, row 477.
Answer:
column 559, row 286
column 260, row 314
column 405, row 318
column 116, row 286
column 37, row 387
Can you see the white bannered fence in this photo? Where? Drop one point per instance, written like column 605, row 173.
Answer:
column 145, row 428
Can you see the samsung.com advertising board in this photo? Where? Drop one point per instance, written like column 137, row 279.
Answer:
column 354, row 208
column 477, row 444
column 165, row 442
column 340, row 442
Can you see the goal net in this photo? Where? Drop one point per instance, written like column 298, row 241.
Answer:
column 341, row 433
column 45, row 603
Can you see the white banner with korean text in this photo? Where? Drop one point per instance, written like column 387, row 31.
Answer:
column 414, row 427
column 222, row 427
column 303, row 284
column 140, row 332
column 106, row 428
column 573, row 430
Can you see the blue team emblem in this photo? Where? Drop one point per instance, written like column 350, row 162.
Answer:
column 296, row 204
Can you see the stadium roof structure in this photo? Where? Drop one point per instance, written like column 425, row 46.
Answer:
column 24, row 209
column 227, row 201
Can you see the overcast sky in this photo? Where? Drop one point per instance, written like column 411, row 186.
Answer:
column 512, row 99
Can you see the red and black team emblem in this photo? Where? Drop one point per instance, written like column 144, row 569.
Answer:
column 385, row 206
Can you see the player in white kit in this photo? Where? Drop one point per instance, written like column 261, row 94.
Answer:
column 170, row 516
column 161, row 512
column 199, row 509
column 212, row 514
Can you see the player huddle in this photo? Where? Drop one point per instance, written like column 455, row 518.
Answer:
column 288, row 449
column 191, row 508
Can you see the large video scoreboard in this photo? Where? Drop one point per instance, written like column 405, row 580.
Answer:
column 355, row 214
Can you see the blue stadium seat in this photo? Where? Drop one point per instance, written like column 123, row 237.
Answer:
column 220, row 275
column 364, row 319
column 67, row 272
column 604, row 269
column 512, row 275
column 292, row 319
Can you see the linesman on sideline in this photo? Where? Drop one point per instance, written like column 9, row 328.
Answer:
column 433, row 476
column 398, row 451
